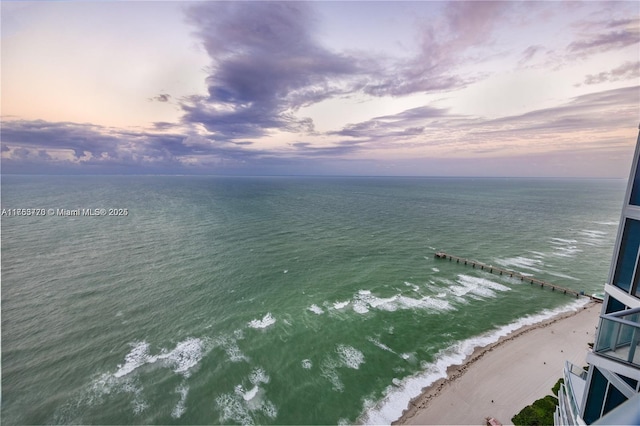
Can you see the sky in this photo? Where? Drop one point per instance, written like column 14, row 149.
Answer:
column 549, row 89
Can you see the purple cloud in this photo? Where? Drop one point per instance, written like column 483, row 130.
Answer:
column 265, row 65
column 609, row 36
column 444, row 45
column 626, row 71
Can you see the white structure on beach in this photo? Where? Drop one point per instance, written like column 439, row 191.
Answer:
column 608, row 393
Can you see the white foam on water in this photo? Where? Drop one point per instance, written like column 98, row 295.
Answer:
column 316, row 309
column 559, row 275
column 412, row 285
column 340, row 305
column 397, row 397
column 181, row 406
column 329, row 370
column 249, row 395
column 137, row 357
column 185, row 356
column 607, row 223
column 307, row 364
column 182, row 360
column 562, row 241
column 593, row 237
column 380, row 344
column 360, row 307
column 476, row 286
column 521, row 262
column 265, row 322
column 269, row 408
column 241, row 405
column 350, row 356
column 564, row 247
column 234, row 353
column 233, row 408
column 364, row 300
column 258, row 375
column 435, row 269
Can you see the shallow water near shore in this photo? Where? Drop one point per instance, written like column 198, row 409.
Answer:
column 275, row 300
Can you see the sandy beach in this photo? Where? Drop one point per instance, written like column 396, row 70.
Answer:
column 501, row 379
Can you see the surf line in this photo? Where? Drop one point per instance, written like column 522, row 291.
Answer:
column 496, row 270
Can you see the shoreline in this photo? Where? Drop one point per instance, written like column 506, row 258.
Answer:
column 416, row 412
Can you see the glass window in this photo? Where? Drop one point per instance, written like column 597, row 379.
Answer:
column 628, row 255
column 635, row 189
column 631, row 382
column 597, row 390
column 614, row 305
column 614, row 398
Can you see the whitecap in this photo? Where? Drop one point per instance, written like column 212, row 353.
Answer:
column 476, row 286
column 258, row 375
column 240, row 405
column 249, row 395
column 380, row 344
column 185, row 356
column 521, row 262
column 137, row 357
column 413, row 286
column 307, row 364
column 265, row 322
column 316, row 309
column 350, row 356
column 328, row 370
column 180, row 407
column 340, row 305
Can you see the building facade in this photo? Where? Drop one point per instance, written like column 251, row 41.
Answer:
column 608, row 391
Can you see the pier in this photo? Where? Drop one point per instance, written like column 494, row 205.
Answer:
column 512, row 274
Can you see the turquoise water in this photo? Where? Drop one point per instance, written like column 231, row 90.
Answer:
column 274, row 300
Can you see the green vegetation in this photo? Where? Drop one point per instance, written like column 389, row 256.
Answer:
column 556, row 387
column 540, row 412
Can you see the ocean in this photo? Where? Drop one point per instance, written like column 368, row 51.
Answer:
column 274, row 300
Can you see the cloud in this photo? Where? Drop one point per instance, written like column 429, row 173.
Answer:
column 162, row 97
column 529, row 53
column 445, row 45
column 626, row 71
column 585, row 124
column 266, row 64
column 609, row 35
column 67, row 144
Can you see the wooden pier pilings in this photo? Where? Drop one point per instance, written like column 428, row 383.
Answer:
column 500, row 271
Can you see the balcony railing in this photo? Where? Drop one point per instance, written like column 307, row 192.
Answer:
column 619, row 336
column 573, row 390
